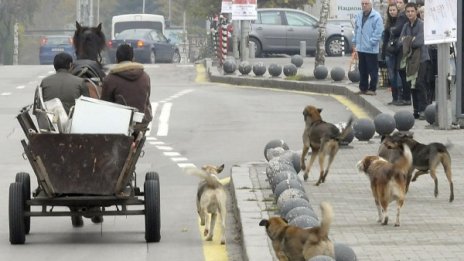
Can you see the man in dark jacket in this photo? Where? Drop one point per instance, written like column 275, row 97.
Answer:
column 128, row 84
column 63, row 84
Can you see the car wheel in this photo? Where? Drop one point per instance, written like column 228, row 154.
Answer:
column 152, row 58
column 258, row 47
column 175, row 57
column 333, row 46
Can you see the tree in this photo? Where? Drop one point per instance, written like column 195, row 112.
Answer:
column 320, row 48
column 11, row 12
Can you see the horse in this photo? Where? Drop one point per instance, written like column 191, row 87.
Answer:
column 88, row 43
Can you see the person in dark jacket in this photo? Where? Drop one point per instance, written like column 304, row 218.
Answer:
column 128, row 84
column 417, row 61
column 63, row 84
column 395, row 32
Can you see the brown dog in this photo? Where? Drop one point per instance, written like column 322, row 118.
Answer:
column 425, row 157
column 324, row 139
column 388, row 181
column 211, row 199
column 293, row 243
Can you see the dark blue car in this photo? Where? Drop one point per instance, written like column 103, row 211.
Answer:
column 51, row 45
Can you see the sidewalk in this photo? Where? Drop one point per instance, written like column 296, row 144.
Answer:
column 431, row 228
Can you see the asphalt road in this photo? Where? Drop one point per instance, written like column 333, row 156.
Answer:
column 195, row 122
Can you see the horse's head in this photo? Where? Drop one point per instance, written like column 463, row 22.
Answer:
column 89, row 42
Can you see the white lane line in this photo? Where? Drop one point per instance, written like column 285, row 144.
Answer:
column 164, row 147
column 5, row 93
column 51, row 72
column 20, row 87
column 186, row 165
column 171, row 154
column 156, row 143
column 154, row 106
column 177, row 159
column 163, row 125
column 41, row 76
column 151, row 138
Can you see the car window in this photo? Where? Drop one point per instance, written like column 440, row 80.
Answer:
column 271, row 18
column 298, row 19
column 131, row 34
column 58, row 40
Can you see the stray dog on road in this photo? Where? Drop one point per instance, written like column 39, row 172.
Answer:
column 211, row 199
column 293, row 243
column 324, row 139
column 388, row 181
column 425, row 158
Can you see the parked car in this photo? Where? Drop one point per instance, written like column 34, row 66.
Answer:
column 51, row 45
column 280, row 30
column 150, row 46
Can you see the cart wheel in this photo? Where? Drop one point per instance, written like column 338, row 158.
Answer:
column 16, row 214
column 25, row 180
column 152, row 175
column 152, row 211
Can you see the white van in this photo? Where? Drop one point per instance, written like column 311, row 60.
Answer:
column 136, row 21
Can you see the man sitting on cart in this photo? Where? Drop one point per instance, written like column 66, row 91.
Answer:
column 128, row 84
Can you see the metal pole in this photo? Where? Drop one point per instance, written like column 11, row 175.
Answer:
column 143, row 6
column 169, row 13
column 459, row 68
column 235, row 51
column 16, row 45
column 98, row 11
column 91, row 22
column 303, row 48
column 442, row 98
column 244, row 39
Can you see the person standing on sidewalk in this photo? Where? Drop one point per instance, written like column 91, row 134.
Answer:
column 395, row 31
column 416, row 59
column 366, row 43
column 390, row 49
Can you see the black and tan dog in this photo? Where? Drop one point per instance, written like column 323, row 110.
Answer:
column 211, row 199
column 426, row 157
column 388, row 181
column 293, row 243
column 324, row 140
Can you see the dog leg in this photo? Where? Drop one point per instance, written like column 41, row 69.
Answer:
column 399, row 204
column 446, row 162
column 321, row 167
column 207, row 221
column 310, row 163
column 384, row 205
column 212, row 223
column 303, row 156
column 223, row 212
column 408, row 179
column 332, row 154
column 417, row 174
column 379, row 211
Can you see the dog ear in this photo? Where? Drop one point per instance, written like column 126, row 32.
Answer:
column 319, row 110
column 264, row 223
column 220, row 168
column 285, row 220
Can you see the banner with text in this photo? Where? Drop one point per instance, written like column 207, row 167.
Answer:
column 440, row 21
column 244, row 10
column 226, row 6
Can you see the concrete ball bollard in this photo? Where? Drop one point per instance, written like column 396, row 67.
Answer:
column 354, row 76
column 244, row 67
column 384, row 124
column 274, row 144
column 404, row 120
column 430, row 113
column 275, row 70
column 293, row 157
column 259, row 69
column 287, row 184
column 300, row 211
column 290, row 70
column 283, row 175
column 321, row 72
column 337, row 74
column 289, row 194
column 229, row 66
column 276, row 166
column 364, row 129
column 292, row 203
column 344, row 252
column 350, row 135
column 297, row 60
column 305, row 221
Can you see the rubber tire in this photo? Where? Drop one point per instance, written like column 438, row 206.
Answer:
column 77, row 221
column 152, row 211
column 16, row 214
column 152, row 176
column 259, row 48
column 331, row 39
column 25, row 179
column 176, row 57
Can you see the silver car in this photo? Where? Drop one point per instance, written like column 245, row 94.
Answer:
column 280, row 30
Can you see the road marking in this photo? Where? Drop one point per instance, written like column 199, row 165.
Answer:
column 354, row 108
column 156, row 143
column 213, row 250
column 5, row 93
column 164, row 147
column 186, row 165
column 179, row 159
column 20, row 87
column 171, row 154
column 163, row 125
column 201, row 73
column 41, row 76
column 151, row 138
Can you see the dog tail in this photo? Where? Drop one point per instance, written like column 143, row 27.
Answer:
column 327, row 216
column 211, row 180
column 347, row 130
column 404, row 164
